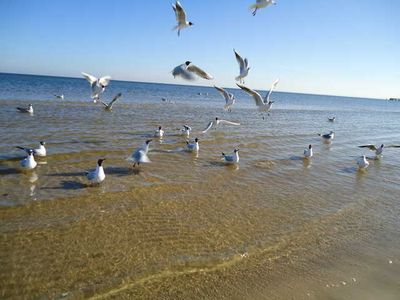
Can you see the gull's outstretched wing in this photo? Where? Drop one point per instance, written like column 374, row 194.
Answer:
column 370, row 147
column 271, row 89
column 224, row 93
column 181, row 71
column 208, row 127
column 117, row 96
column 257, row 97
column 179, row 13
column 195, row 69
column 105, row 80
column 227, row 122
column 89, row 77
column 242, row 63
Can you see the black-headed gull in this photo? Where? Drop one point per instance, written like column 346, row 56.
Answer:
column 193, row 146
column 28, row 110
column 214, row 123
column 96, row 176
column 243, row 67
column 332, row 119
column 41, row 151
column 362, row 162
column 29, row 162
column 188, row 71
column 186, row 130
column 159, row 132
column 180, row 17
column 378, row 150
column 109, row 106
column 231, row 159
column 308, row 153
column 61, row 97
column 140, row 155
column 328, row 137
column 98, row 85
column 229, row 98
column 261, row 4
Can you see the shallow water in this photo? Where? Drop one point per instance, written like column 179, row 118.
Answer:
column 187, row 226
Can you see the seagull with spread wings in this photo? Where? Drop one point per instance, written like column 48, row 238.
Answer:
column 229, row 98
column 108, row 107
column 378, row 150
column 98, row 85
column 214, row 123
column 180, row 17
column 261, row 4
column 243, row 67
column 189, row 71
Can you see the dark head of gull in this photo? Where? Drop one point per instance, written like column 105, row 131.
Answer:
column 196, row 140
column 191, row 24
column 148, row 142
column 187, row 63
column 100, row 161
column 309, row 146
column 42, row 143
column 236, row 150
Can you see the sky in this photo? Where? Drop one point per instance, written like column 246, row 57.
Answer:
column 347, row 48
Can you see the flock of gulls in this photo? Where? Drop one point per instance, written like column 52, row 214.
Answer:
column 188, row 71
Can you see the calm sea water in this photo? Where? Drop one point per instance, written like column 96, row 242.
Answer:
column 187, row 226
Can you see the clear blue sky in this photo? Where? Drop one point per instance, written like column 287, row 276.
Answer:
column 315, row 46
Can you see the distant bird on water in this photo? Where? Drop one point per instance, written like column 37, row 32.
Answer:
column 188, row 71
column 28, row 110
column 231, row 159
column 29, row 162
column 328, row 137
column 61, row 97
column 109, row 106
column 98, row 85
column 333, row 119
column 229, row 98
column 96, row 176
column 140, row 155
column 214, row 123
column 308, row 153
column 159, row 132
column 243, row 67
column 41, row 151
column 180, row 17
column 261, row 4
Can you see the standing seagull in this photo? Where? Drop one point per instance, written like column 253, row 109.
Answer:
column 308, row 153
column 243, row 67
column 109, row 106
column 159, row 132
column 28, row 110
column 186, row 130
column 327, row 137
column 29, row 162
column 61, row 97
column 96, row 176
column 98, row 85
column 41, row 151
column 362, row 162
column 180, row 17
column 188, row 71
column 231, row 159
column 261, row 4
column 140, row 155
column 264, row 105
column 229, row 98
column 191, row 147
column 216, row 122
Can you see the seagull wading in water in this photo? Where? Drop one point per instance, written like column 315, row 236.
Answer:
column 159, row 132
column 28, row 110
column 362, row 162
column 327, row 137
column 308, row 153
column 98, row 85
column 108, row 107
column 231, row 159
column 186, row 130
column 140, row 155
column 41, row 151
column 261, row 4
column 264, row 105
column 188, row 71
column 216, row 122
column 97, row 176
column 191, row 147
column 29, row 162
column 229, row 98
column 180, row 17
column 243, row 67
column 61, row 97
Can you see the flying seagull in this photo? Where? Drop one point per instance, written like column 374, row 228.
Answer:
column 229, row 98
column 41, row 151
column 28, row 110
column 243, row 67
column 261, row 4
column 96, row 176
column 109, row 106
column 180, row 17
column 216, row 122
column 98, row 85
column 188, row 71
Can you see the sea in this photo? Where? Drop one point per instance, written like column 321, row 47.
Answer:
column 187, row 225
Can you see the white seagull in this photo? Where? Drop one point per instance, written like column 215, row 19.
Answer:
column 180, row 17
column 29, row 162
column 191, row 147
column 308, row 153
column 333, row 119
column 362, row 162
column 264, row 105
column 378, row 150
column 41, row 151
column 109, row 106
column 98, row 85
column 61, row 97
column 243, row 67
column 261, row 4
column 231, row 159
column 328, row 137
column 140, row 155
column 159, row 132
column 216, row 122
column 229, row 98
column 186, row 130
column 28, row 110
column 188, row 71
column 96, row 176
